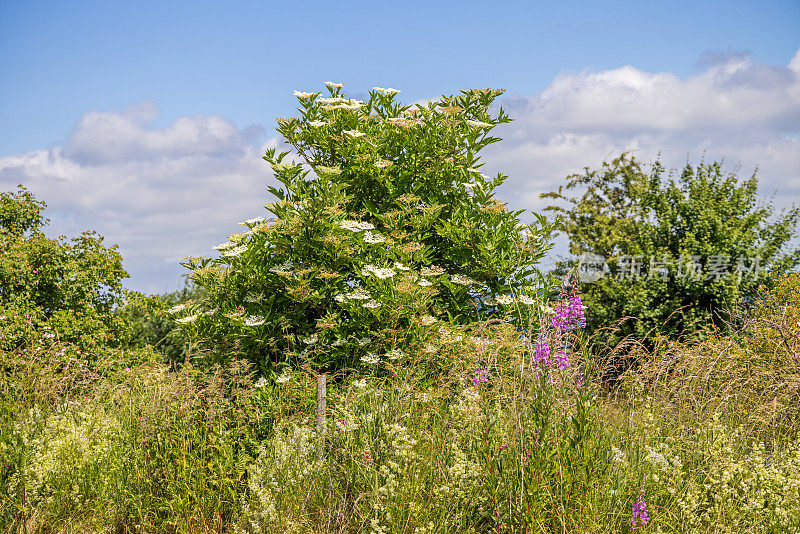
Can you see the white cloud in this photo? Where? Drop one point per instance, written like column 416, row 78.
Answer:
column 736, row 108
column 160, row 193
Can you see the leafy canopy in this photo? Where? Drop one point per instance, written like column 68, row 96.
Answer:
column 700, row 243
column 383, row 226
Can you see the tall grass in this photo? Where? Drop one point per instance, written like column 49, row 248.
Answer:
column 696, row 437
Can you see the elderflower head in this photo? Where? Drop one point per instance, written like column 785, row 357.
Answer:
column 285, row 377
column 223, row 246
column 260, row 383
column 313, row 338
column 433, row 270
column 371, row 304
column 424, row 283
column 316, row 124
column 395, row 354
column 504, row 299
column 379, row 272
column 360, row 383
column 282, row 267
column 353, row 133
column 427, row 320
column 254, row 320
column 359, row 294
column 234, row 251
column 372, row 238
column 283, row 166
column 176, row 309
column 387, row 91
column 400, row 267
column 525, row 299
column 188, row 319
column 382, row 164
column 303, row 94
column 462, row 280
column 478, row 124
column 363, row 341
column 370, row 358
column 355, row 226
column 333, row 84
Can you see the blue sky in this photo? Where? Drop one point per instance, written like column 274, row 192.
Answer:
column 583, row 80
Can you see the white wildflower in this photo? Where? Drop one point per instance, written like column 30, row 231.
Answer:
column 525, row 299
column 223, row 246
column 422, row 282
column 316, row 124
column 360, row 383
column 333, row 84
column 428, row 348
column 359, row 294
column 504, row 299
column 478, row 124
column 394, row 354
column 313, row 338
column 353, row 133
column 261, row 382
column 339, row 298
column 283, row 166
column 363, row 341
column 462, row 280
column 234, row 251
column 382, row 164
column 339, row 342
column 372, row 239
column 400, row 267
column 371, row 304
column 282, row 267
column 370, row 358
column 386, row 91
column 333, row 100
column 188, row 319
column 379, row 272
column 355, row 226
column 285, row 377
column 254, row 320
column 433, row 270
column 176, row 309
column 253, row 222
column 427, row 320
column 303, row 94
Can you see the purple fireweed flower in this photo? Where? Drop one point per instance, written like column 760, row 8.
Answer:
column 541, row 357
column 562, row 360
column 569, row 315
column 640, row 517
column 481, row 376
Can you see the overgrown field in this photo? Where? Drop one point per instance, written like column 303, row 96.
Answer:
column 473, row 434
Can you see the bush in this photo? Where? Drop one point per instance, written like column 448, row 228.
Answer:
column 385, row 227
column 682, row 254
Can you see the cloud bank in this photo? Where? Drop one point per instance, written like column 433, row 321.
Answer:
column 163, row 193
column 160, row 193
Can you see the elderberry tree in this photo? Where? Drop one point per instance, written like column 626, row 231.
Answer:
column 384, row 227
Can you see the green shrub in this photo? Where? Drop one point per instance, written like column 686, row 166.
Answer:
column 386, row 226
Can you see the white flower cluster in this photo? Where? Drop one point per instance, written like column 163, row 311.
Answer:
column 236, row 251
column 313, row 338
column 382, row 164
column 285, row 377
column 334, row 85
column 372, row 304
column 283, row 166
column 422, row 282
column 386, row 91
column 373, row 238
column 176, row 309
column 353, row 133
column 282, row 267
column 400, row 267
column 223, row 246
column 327, row 170
column 188, row 319
column 427, row 320
column 254, row 320
column 462, row 280
column 478, row 124
column 303, row 94
column 358, row 294
column 395, row 354
column 433, row 270
column 317, row 124
column 355, row 226
column 260, row 383
column 370, row 358
column 360, row 383
column 379, row 272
